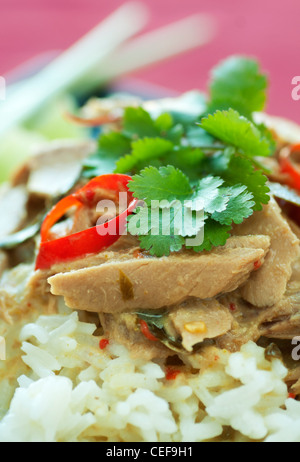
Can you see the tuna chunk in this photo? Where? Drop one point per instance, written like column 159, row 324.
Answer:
column 55, row 168
column 281, row 321
column 13, row 211
column 181, row 328
column 293, row 379
column 125, row 329
column 267, row 286
column 151, row 283
column 197, row 320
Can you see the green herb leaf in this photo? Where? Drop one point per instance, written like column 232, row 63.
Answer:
column 197, row 137
column 208, row 191
column 137, row 123
column 239, row 206
column 235, row 130
column 144, row 152
column 165, row 183
column 184, row 110
column 215, row 235
column 112, row 146
column 237, row 83
column 241, row 170
column 161, row 245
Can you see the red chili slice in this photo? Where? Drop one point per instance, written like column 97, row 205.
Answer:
column 289, row 166
column 146, row 331
column 92, row 240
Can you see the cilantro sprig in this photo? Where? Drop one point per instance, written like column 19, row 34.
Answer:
column 186, row 152
column 169, row 189
column 237, row 83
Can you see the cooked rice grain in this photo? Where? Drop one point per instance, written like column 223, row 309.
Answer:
column 77, row 392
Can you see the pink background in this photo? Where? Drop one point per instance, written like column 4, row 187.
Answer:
column 267, row 29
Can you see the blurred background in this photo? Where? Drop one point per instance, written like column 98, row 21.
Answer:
column 175, row 60
column 263, row 28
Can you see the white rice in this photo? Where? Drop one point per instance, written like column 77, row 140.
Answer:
column 74, row 391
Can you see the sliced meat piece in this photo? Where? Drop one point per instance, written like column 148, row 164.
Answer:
column 293, row 379
column 281, row 321
column 119, row 286
column 55, row 167
column 267, row 286
column 197, row 320
column 125, row 329
column 246, row 320
column 124, row 249
column 13, row 212
column 255, row 241
column 127, row 248
column 179, row 329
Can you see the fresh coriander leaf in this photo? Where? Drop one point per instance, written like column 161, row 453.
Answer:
column 241, row 170
column 267, row 134
column 137, row 123
column 114, row 144
column 180, row 220
column 238, row 83
column 185, row 110
column 239, row 207
column 175, row 134
column 95, row 166
column 187, row 159
column 139, row 223
column 163, row 123
column 165, row 183
column 215, row 234
column 166, row 227
column 143, row 153
column 197, row 137
column 160, row 246
column 111, row 147
column 155, row 229
column 208, row 191
column 233, row 129
column 218, row 162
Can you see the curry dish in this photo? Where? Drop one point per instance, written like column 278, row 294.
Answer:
column 164, row 300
